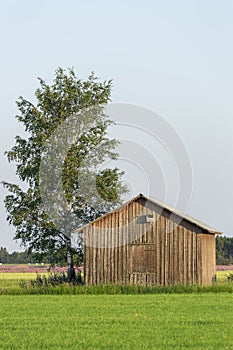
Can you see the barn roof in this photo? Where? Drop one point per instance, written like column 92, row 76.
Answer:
column 188, row 218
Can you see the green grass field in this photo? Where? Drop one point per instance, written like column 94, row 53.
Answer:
column 151, row 321
column 117, row 322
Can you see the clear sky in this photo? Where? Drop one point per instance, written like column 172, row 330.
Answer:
column 173, row 57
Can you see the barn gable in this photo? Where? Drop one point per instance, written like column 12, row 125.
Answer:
column 146, row 242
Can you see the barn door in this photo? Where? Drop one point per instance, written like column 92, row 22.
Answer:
column 143, row 258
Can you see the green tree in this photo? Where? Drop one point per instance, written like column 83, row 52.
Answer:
column 73, row 107
column 224, row 250
column 4, row 255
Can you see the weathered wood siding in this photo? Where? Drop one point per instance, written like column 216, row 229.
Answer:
column 123, row 248
column 207, row 258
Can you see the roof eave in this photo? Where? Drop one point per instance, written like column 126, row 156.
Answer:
column 195, row 222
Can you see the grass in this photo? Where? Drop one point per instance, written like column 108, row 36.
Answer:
column 178, row 317
column 221, row 275
column 202, row 321
column 10, row 284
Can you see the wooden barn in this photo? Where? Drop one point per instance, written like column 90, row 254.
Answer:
column 146, row 242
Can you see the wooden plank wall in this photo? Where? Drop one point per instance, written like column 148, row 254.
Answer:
column 207, row 258
column 180, row 251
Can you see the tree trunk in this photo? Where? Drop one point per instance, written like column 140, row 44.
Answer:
column 71, row 271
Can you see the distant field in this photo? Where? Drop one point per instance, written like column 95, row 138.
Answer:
column 17, row 275
column 11, row 280
column 117, row 322
column 27, row 268
column 222, row 275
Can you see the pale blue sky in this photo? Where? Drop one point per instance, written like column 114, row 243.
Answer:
column 174, row 57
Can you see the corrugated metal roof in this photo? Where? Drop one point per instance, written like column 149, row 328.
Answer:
column 163, row 206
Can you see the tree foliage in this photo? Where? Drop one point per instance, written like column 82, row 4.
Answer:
column 16, row 257
column 88, row 148
column 224, row 250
